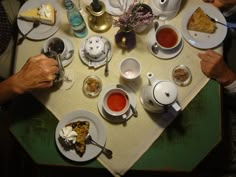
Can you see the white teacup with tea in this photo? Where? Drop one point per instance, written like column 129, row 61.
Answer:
column 168, row 37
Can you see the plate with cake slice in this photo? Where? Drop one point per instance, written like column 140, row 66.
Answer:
column 199, row 31
column 71, row 132
column 48, row 12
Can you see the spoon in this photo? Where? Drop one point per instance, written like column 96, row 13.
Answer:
column 35, row 25
column 106, row 152
column 106, row 71
column 155, row 47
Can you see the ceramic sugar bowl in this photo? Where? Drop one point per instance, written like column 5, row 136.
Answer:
column 159, row 96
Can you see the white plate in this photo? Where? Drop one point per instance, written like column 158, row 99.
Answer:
column 204, row 40
column 115, row 119
column 96, row 130
column 95, row 64
column 70, row 47
column 117, row 11
column 162, row 54
column 43, row 31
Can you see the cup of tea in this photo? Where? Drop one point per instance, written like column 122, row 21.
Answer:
column 130, row 68
column 168, row 37
column 57, row 45
column 116, row 103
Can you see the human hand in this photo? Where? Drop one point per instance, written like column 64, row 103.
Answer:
column 213, row 66
column 38, row 72
column 221, row 3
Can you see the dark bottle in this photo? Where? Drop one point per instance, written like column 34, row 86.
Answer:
column 75, row 19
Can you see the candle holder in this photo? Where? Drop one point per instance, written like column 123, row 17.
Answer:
column 99, row 20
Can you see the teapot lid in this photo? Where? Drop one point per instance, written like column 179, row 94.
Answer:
column 165, row 92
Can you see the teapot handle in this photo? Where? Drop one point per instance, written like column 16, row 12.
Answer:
column 175, row 109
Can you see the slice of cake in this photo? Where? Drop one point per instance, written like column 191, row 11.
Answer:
column 45, row 14
column 82, row 130
column 199, row 21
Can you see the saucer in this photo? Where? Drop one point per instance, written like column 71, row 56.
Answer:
column 70, row 47
column 95, row 64
column 116, row 119
column 162, row 54
column 120, row 9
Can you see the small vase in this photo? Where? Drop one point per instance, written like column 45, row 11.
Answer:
column 126, row 39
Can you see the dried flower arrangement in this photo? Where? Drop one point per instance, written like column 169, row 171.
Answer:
column 135, row 16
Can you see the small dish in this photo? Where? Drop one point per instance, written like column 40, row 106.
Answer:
column 116, row 119
column 181, row 75
column 92, row 86
column 99, row 62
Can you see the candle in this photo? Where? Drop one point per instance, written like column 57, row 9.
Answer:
column 96, row 5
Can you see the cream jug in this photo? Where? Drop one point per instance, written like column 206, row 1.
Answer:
column 165, row 9
column 159, row 96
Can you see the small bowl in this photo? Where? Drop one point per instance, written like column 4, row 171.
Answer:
column 130, row 68
column 116, row 103
column 181, row 75
column 92, row 86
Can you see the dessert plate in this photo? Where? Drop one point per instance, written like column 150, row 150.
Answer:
column 43, row 31
column 204, row 40
column 96, row 130
column 95, row 64
column 162, row 54
column 110, row 118
column 120, row 7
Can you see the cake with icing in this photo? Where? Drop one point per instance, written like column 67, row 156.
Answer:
column 45, row 14
column 94, row 48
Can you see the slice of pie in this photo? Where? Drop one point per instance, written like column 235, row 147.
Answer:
column 82, row 130
column 199, row 21
column 45, row 14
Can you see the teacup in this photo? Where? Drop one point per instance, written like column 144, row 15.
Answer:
column 59, row 46
column 130, row 68
column 168, row 37
column 116, row 103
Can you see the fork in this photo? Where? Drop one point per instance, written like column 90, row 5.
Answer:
column 228, row 25
column 106, row 152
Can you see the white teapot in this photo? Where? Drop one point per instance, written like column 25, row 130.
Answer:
column 165, row 9
column 159, row 96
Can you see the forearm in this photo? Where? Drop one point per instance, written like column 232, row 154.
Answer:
column 9, row 89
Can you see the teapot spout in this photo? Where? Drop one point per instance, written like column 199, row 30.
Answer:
column 152, row 80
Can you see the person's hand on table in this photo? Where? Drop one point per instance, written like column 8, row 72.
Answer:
column 222, row 3
column 213, row 66
column 37, row 73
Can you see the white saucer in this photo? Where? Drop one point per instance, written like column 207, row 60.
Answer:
column 70, row 47
column 110, row 118
column 95, row 64
column 162, row 54
column 117, row 10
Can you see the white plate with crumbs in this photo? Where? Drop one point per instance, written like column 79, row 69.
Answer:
column 43, row 31
column 96, row 130
column 181, row 75
column 204, row 40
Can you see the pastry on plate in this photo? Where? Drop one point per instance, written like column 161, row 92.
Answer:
column 45, row 14
column 82, row 130
column 199, row 21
